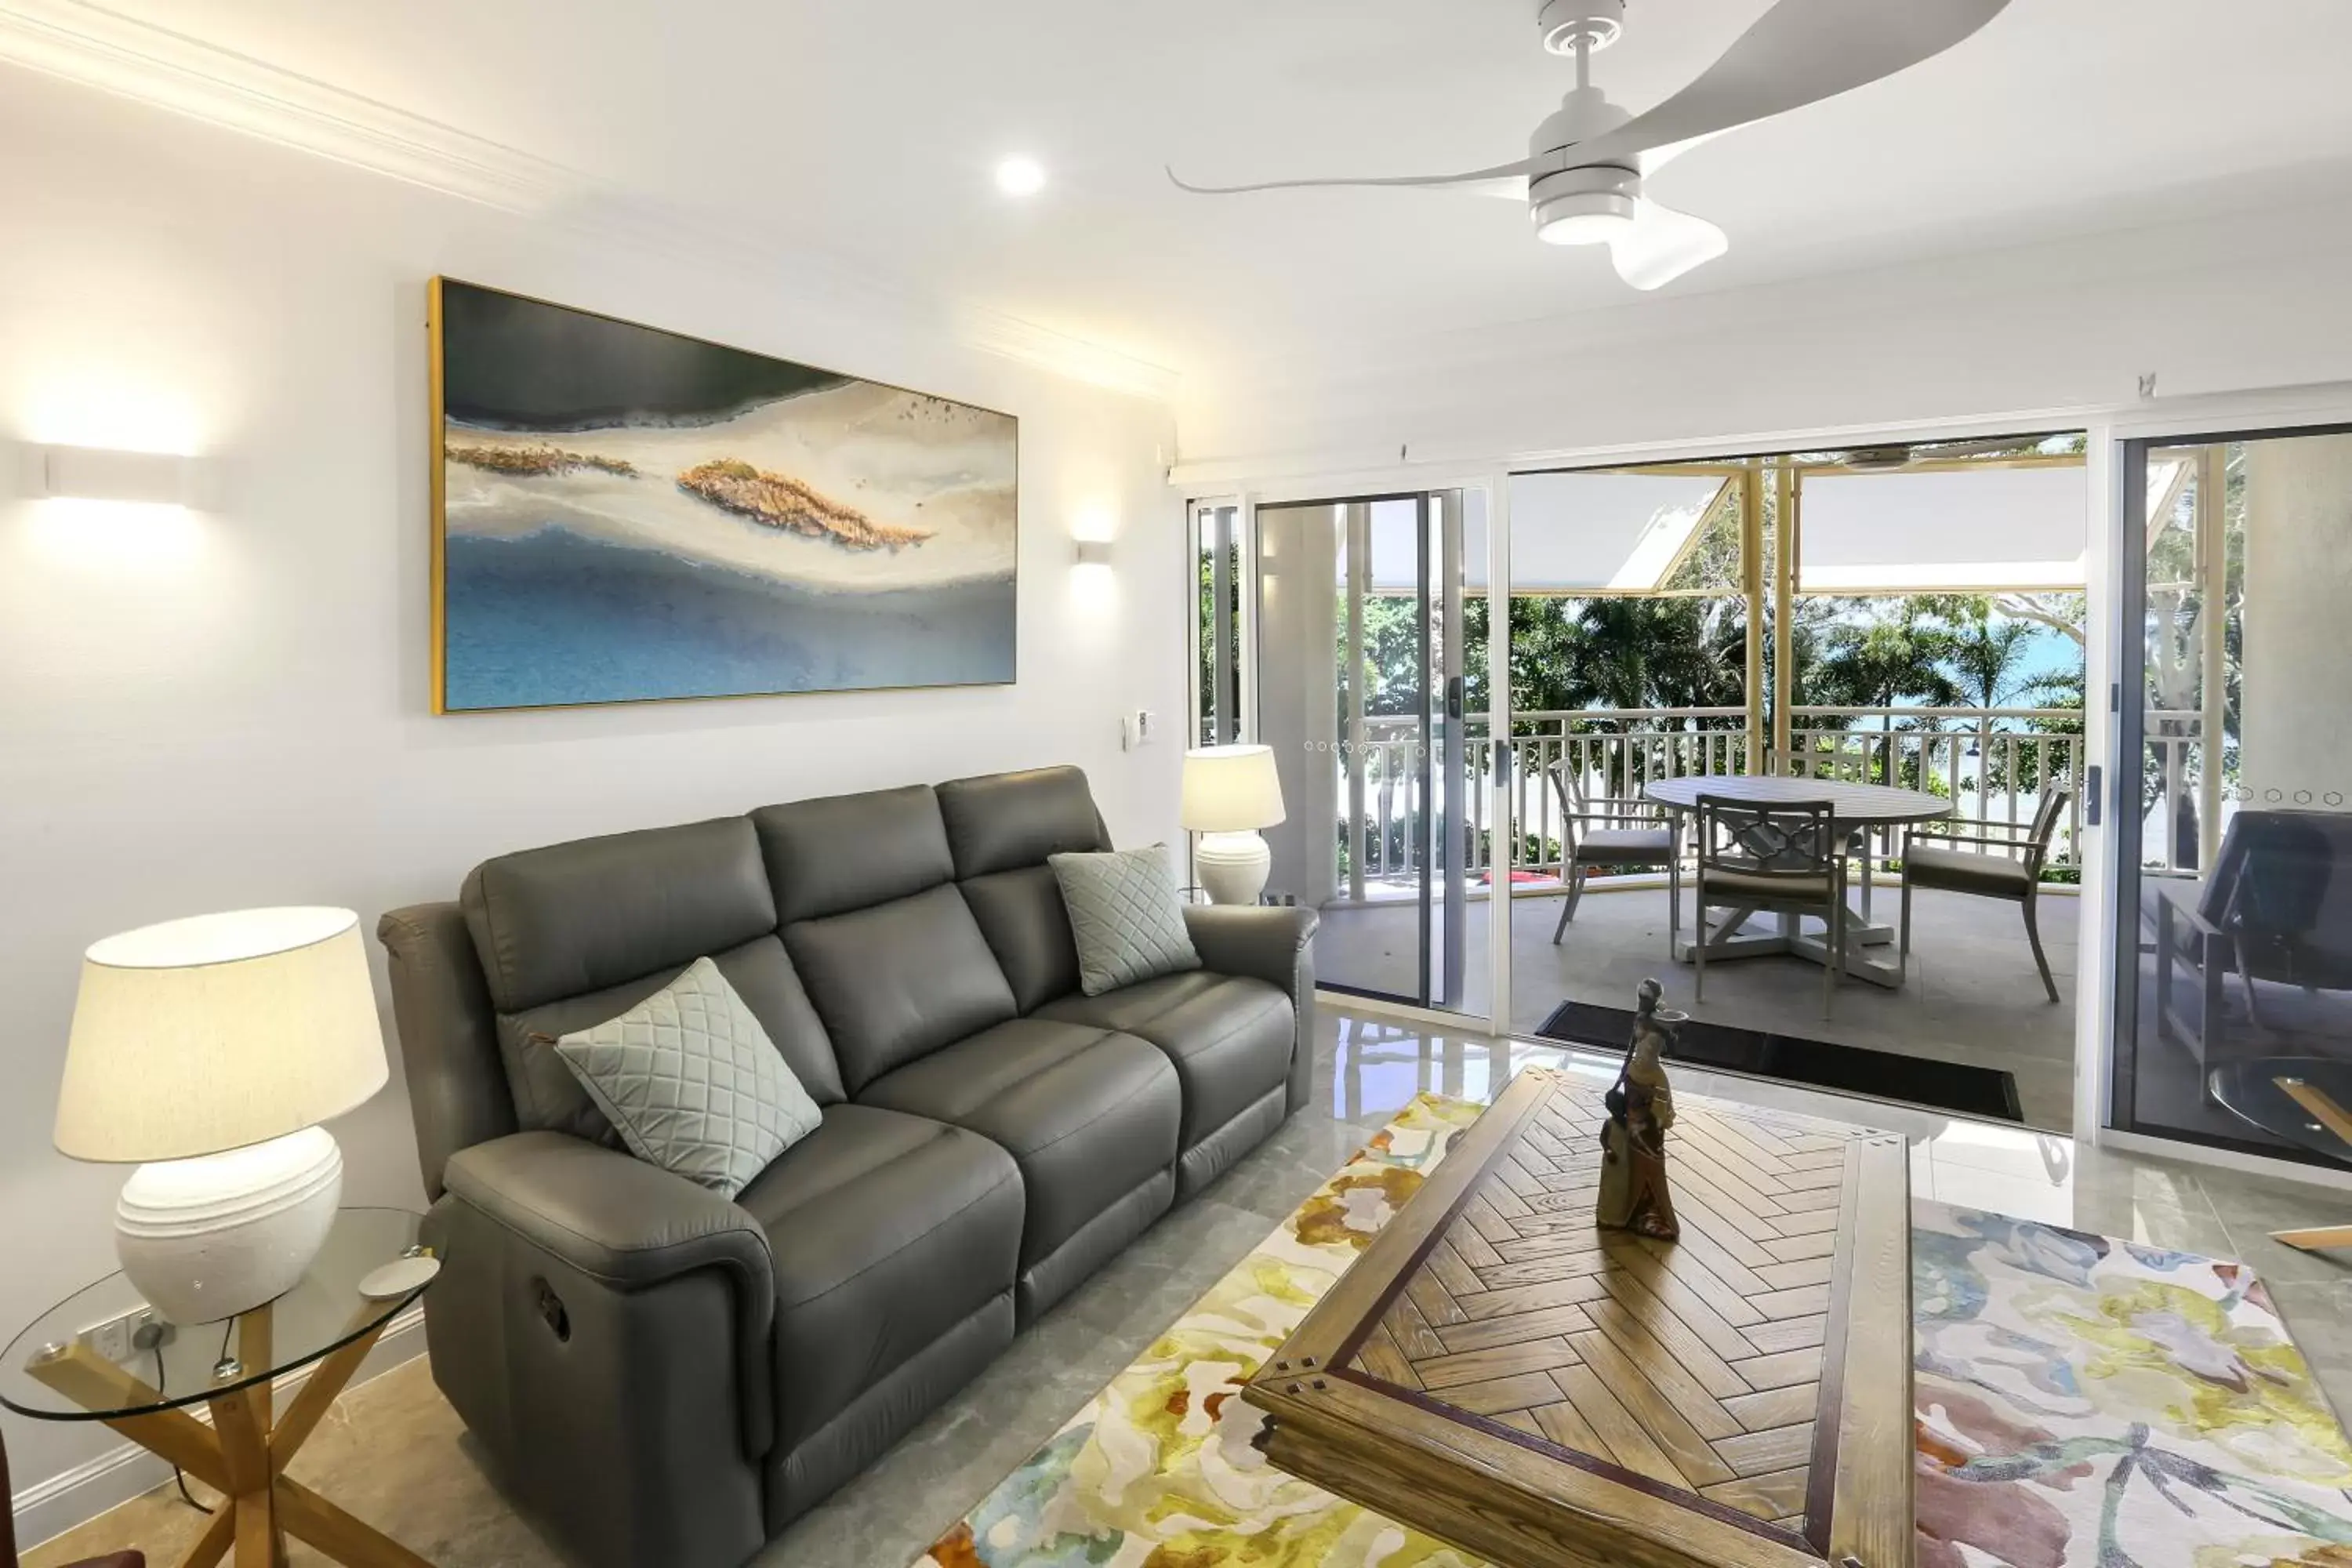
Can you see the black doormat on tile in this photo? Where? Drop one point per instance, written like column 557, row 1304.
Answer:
column 1963, row 1090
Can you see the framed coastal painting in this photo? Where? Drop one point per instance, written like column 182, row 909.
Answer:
column 622, row 514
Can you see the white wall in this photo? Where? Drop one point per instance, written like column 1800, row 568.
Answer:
column 2253, row 300
column 231, row 708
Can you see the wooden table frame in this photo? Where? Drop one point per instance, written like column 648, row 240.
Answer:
column 243, row 1454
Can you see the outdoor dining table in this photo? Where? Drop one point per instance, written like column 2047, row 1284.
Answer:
column 1861, row 808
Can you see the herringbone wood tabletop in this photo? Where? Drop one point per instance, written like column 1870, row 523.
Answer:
column 1692, row 1371
column 1696, row 1363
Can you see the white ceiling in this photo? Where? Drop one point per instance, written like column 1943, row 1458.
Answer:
column 868, row 127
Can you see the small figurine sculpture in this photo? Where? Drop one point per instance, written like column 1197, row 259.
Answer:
column 1634, row 1194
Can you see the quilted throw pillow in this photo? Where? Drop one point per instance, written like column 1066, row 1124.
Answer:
column 1127, row 915
column 693, row 1082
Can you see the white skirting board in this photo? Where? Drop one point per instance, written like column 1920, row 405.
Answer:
column 48, row 1509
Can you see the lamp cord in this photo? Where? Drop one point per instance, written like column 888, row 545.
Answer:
column 179, row 1478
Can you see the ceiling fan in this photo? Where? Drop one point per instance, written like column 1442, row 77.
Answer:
column 1583, row 175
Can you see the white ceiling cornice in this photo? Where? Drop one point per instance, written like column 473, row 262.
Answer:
column 93, row 47
column 101, row 49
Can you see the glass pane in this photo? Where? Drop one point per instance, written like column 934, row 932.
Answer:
column 1217, row 628
column 1365, row 640
column 2236, row 1018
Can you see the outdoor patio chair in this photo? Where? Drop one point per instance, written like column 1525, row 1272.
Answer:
column 1616, row 834
column 2276, row 911
column 1787, row 858
column 2007, row 867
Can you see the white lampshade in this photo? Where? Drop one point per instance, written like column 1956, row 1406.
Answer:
column 204, row 1035
column 1230, row 789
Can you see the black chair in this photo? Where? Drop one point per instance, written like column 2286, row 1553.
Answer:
column 8, row 1534
column 1615, row 835
column 1786, row 858
column 2007, row 864
column 2276, row 911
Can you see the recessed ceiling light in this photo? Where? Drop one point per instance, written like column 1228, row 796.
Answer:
column 1020, row 176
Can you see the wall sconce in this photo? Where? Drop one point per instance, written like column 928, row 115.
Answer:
column 1092, row 552
column 105, row 474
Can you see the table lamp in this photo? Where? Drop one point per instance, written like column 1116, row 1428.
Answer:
column 209, row 1051
column 1230, row 792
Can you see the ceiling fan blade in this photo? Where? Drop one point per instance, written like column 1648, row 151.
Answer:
column 1514, row 189
column 1664, row 244
column 1653, row 159
column 1799, row 52
column 1500, row 171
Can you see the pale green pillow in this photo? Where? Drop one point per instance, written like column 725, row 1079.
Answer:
column 693, row 1082
column 1127, row 916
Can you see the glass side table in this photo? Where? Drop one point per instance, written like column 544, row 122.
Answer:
column 80, row 1361
column 2303, row 1099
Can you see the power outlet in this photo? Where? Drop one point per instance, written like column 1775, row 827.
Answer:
column 133, row 1334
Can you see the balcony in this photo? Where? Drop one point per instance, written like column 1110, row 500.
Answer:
column 1971, row 994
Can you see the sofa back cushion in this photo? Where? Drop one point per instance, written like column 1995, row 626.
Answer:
column 1000, row 828
column 548, row 1095
column 1022, row 914
column 1002, row 821
column 847, row 852
column 895, row 982
column 578, row 917
column 573, row 934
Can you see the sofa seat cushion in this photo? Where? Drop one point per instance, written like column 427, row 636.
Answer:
column 1088, row 1115
column 1230, row 1038
column 887, row 1231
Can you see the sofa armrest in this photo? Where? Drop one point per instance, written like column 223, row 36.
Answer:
column 1276, row 944
column 603, row 1327
column 616, row 1218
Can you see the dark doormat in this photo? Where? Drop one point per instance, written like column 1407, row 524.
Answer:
column 1963, row 1090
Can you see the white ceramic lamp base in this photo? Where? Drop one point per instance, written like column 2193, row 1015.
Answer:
column 1232, row 866
column 206, row 1238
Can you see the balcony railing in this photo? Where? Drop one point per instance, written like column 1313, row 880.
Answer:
column 1991, row 760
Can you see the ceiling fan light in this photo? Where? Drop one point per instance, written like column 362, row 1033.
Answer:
column 1584, row 207
column 1583, row 229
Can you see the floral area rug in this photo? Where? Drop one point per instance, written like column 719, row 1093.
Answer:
column 2080, row 1401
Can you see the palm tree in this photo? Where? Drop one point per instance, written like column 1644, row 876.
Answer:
column 1890, row 655
column 1984, row 653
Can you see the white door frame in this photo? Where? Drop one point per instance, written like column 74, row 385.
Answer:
column 2158, row 419
column 1403, row 480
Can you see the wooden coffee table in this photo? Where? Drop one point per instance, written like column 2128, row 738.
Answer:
column 1498, row 1373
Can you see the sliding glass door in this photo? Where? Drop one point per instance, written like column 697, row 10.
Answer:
column 1364, row 638
column 1217, row 719
column 2233, row 818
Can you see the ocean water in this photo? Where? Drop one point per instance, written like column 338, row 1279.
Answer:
column 553, row 617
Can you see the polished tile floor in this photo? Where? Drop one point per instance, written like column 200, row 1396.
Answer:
column 394, row 1453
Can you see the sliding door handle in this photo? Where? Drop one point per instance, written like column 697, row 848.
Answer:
column 2095, row 793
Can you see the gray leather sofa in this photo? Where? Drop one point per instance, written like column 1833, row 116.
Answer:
column 665, row 1376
